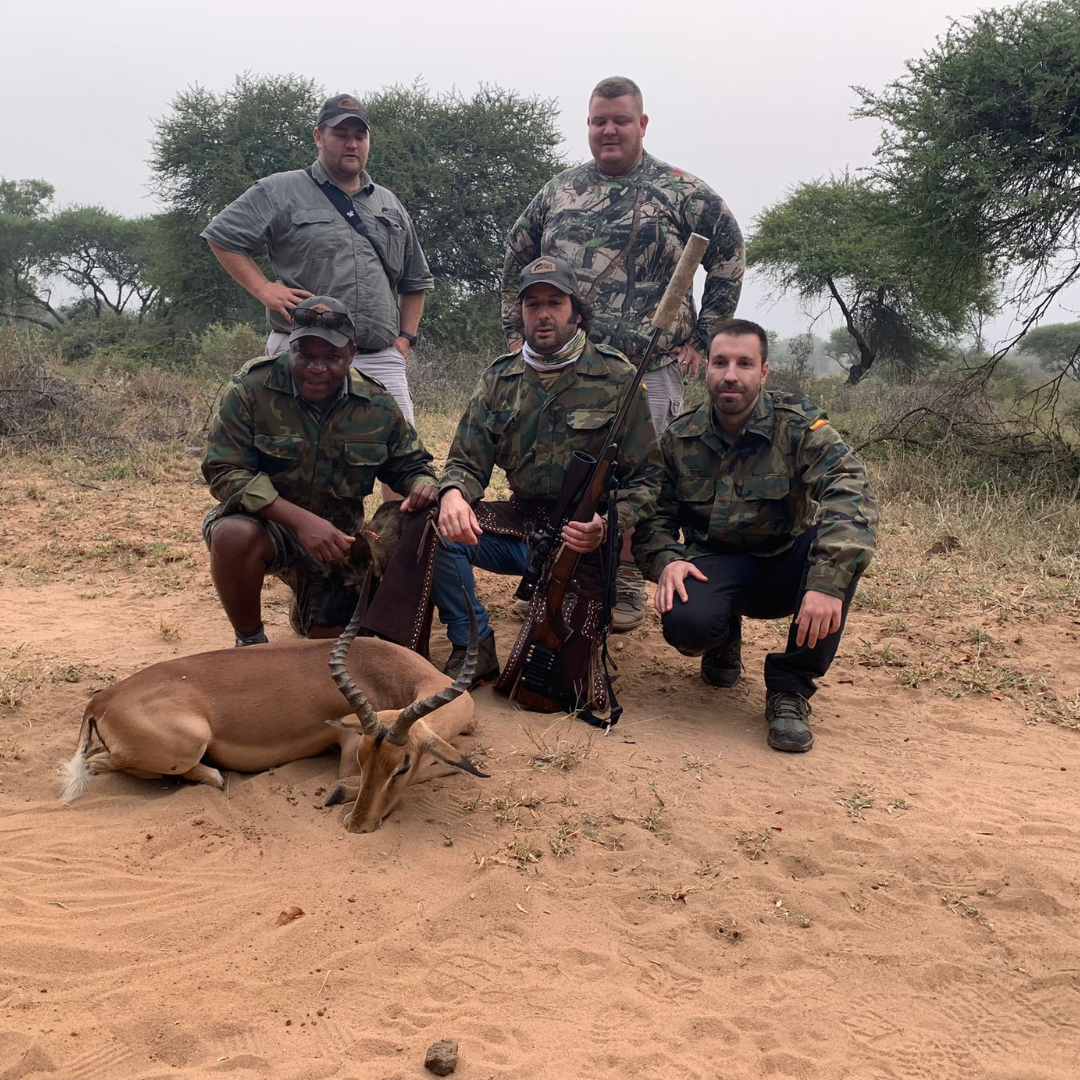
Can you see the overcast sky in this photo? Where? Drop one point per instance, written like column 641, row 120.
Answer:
column 754, row 97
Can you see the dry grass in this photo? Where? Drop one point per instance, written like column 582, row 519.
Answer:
column 561, row 754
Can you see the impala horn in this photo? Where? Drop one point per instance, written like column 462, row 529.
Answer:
column 399, row 732
column 369, row 722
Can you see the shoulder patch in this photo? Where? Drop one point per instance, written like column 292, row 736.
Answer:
column 821, row 422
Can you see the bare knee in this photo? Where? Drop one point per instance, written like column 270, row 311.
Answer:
column 236, row 539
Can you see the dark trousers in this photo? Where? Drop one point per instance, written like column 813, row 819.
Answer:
column 759, row 588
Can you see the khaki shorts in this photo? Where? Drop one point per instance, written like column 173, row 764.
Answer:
column 664, row 388
column 387, row 366
column 321, row 597
column 664, row 385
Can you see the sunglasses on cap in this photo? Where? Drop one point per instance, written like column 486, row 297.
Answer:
column 330, row 320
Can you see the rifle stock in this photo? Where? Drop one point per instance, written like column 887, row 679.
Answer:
column 533, row 689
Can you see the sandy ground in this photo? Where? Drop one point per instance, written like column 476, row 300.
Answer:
column 680, row 902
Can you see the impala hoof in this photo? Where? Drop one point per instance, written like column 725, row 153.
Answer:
column 335, row 795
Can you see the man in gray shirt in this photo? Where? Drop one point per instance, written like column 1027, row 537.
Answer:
column 377, row 270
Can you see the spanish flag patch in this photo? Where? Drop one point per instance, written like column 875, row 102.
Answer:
column 821, row 422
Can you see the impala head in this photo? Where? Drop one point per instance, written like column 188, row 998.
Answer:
column 397, row 746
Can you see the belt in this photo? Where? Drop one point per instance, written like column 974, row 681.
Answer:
column 369, row 352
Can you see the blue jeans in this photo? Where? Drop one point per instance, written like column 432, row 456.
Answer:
column 454, row 568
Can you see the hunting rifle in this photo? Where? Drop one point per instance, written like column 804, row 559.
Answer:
column 551, row 564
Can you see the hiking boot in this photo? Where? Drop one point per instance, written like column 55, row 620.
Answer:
column 722, row 666
column 487, row 663
column 629, row 610
column 789, row 728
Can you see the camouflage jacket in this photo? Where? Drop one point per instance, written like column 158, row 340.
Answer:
column 759, row 494
column 268, row 441
column 531, row 431
column 623, row 236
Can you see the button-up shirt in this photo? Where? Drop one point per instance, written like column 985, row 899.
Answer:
column 785, row 470
column 268, row 441
column 311, row 246
column 531, row 430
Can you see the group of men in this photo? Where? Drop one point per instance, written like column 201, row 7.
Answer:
column 749, row 505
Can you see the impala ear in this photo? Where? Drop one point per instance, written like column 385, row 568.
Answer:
column 361, row 548
column 443, row 751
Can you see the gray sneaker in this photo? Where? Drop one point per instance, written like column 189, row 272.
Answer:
column 629, row 610
column 789, row 728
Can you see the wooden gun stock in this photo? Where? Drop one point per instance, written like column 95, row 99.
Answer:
column 534, row 686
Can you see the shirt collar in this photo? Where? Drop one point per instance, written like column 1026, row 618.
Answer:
column 762, row 421
column 367, row 185
column 591, row 362
column 622, row 176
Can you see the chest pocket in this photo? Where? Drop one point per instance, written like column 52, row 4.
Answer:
column 389, row 236
column 766, row 487
column 279, row 453
column 695, row 489
column 586, row 429
column 503, row 430
column 314, row 233
column 359, row 468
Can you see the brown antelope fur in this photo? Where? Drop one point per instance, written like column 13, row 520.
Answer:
column 253, row 708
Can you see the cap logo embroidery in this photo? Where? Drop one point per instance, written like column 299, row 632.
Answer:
column 543, row 266
column 348, row 103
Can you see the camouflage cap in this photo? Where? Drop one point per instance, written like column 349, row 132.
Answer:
column 323, row 317
column 549, row 271
column 341, row 107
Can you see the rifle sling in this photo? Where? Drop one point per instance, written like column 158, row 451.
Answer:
column 344, row 206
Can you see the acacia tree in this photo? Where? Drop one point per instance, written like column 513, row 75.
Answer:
column 105, row 256
column 839, row 242
column 24, row 296
column 1056, row 347
column 981, row 148
column 207, row 151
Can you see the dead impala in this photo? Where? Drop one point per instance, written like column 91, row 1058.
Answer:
column 253, row 708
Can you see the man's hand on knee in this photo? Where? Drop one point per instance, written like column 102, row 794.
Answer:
column 457, row 522
column 819, row 616
column 672, row 584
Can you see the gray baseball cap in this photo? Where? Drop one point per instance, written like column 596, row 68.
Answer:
column 341, row 107
column 323, row 317
column 549, row 271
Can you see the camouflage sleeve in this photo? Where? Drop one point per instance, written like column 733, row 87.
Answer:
column 472, row 453
column 522, row 246
column 640, row 464
column 848, row 512
column 407, row 461
column 230, row 465
column 657, row 540
column 725, row 261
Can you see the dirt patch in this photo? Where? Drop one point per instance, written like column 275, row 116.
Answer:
column 669, row 899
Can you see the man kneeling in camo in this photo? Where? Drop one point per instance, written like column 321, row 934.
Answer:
column 742, row 473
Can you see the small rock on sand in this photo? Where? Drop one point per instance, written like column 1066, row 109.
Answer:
column 442, row 1057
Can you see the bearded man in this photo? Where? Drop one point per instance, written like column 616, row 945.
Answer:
column 764, row 512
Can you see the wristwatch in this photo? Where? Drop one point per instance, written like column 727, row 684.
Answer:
column 410, row 338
